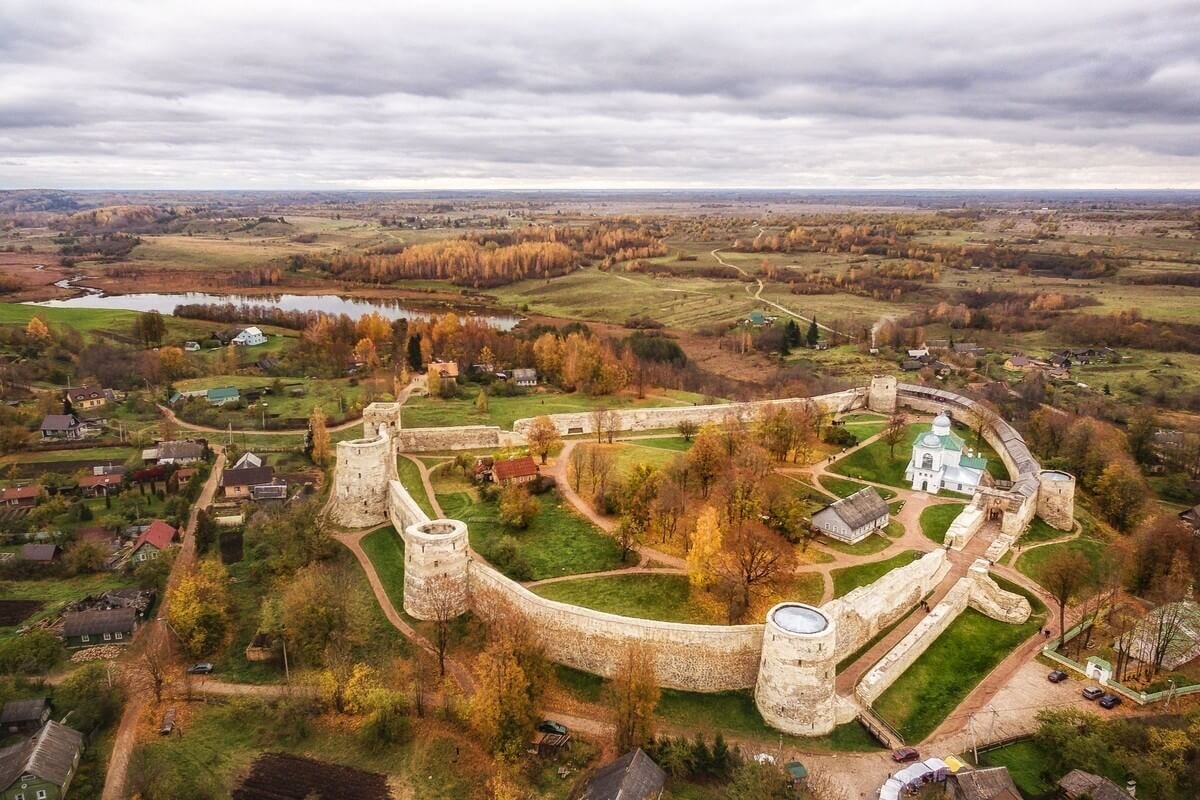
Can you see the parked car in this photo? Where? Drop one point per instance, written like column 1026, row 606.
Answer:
column 905, row 754
column 1057, row 676
column 549, row 726
column 1093, row 693
column 1110, row 701
column 203, row 668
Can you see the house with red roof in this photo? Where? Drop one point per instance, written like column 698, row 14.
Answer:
column 100, row 485
column 514, row 470
column 153, row 541
column 21, row 496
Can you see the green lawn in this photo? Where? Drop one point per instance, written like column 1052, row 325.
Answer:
column 1033, row 562
column 848, row 579
column 115, row 454
column 1028, row 765
column 1040, row 531
column 57, row 592
column 661, row 597
column 329, row 394
column 630, row 455
column 874, row 543
column 557, row 542
column 385, row 548
column 410, row 476
column 735, row 714
column 676, row 443
column 935, row 520
column 952, row 666
column 433, row 412
column 807, row 588
column 844, row 488
column 246, row 594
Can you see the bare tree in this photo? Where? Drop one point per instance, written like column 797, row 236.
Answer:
column 599, row 417
column 1064, row 576
column 894, row 431
column 577, row 461
column 444, row 600
column 153, row 665
column 754, row 561
column 1168, row 617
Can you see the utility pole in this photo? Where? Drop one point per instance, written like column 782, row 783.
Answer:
column 974, row 743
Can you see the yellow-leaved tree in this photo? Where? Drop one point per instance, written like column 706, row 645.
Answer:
column 320, row 436
column 37, row 329
column 502, row 710
column 198, row 608
column 706, row 548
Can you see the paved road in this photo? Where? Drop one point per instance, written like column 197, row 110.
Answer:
column 154, row 635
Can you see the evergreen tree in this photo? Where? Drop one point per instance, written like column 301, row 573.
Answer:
column 415, row 361
column 813, row 333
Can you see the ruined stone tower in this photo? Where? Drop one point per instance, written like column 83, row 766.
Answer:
column 1056, row 498
column 881, row 396
column 795, row 687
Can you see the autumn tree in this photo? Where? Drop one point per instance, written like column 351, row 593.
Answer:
column 1121, row 494
column 325, row 614
column 502, row 711
column 517, row 506
column 577, row 463
column 37, row 329
column 637, row 502
column 433, row 382
column 173, row 362
column 443, row 599
column 481, row 403
column 754, row 563
column 633, row 697
column 366, row 354
column 600, row 422
column 416, row 360
column 543, row 437
column 706, row 458
column 1064, row 575
column 320, row 436
column 198, row 608
column 687, row 429
column 893, row 432
column 706, row 547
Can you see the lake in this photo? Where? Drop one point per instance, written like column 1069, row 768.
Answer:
column 354, row 307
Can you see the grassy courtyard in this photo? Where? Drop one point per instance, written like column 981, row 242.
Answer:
column 662, row 597
column 952, row 666
column 844, row 488
column 1033, row 562
column 848, row 579
column 557, row 542
column 876, row 462
column 410, row 476
column 935, row 520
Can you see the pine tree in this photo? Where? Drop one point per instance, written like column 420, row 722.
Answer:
column 814, row 333
column 415, row 362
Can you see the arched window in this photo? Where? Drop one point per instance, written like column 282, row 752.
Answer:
column 927, row 461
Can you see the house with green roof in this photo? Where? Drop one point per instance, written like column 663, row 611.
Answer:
column 940, row 460
column 222, row 395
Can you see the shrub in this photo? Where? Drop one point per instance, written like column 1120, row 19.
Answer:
column 839, row 436
column 34, row 653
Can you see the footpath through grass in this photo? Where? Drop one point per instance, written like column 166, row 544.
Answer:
column 410, row 476
column 848, row 579
column 557, row 542
column 659, row 597
column 385, row 548
column 935, row 520
column 951, row 667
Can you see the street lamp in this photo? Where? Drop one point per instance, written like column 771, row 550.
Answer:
column 264, row 413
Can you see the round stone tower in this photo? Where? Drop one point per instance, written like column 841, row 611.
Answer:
column 795, row 691
column 881, row 396
column 435, row 569
column 1056, row 498
column 360, row 481
column 381, row 415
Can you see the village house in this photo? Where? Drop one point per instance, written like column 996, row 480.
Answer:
column 88, row 628
column 248, row 460
column 1020, row 363
column 633, row 776
column 61, row 426
column 20, row 496
column 173, row 453
column 153, row 541
column 514, row 470
column 992, row 783
column 41, row 767
column 446, row 370
column 100, row 485
column 89, row 397
column 222, row 395
column 24, row 716
column 525, row 377
column 250, row 337
column 39, row 553
column 853, row 518
column 1191, row 517
column 968, row 349
column 1080, row 785
column 237, row 484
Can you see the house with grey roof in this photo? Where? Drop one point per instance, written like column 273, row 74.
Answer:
column 42, row 766
column 633, row 776
column 1080, row 785
column 88, row 628
column 61, row 426
column 993, row 783
column 853, row 518
column 24, row 716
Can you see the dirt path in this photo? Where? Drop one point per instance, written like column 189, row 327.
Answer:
column 153, row 635
column 606, row 573
column 427, row 484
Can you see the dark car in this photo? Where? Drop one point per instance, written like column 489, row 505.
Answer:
column 1110, row 701
column 1093, row 693
column 200, row 669
column 548, row 726
column 1057, row 676
column 905, row 754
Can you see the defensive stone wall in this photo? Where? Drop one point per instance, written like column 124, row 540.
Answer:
column 646, row 419
column 796, row 674
column 964, row 527
column 976, row 590
column 698, row 658
column 403, row 510
column 869, row 609
column 463, row 437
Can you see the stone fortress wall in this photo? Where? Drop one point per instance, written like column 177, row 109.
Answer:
column 793, row 673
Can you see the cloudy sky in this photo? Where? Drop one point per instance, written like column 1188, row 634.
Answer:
column 562, row 94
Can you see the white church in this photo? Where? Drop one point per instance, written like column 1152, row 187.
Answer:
column 938, row 461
